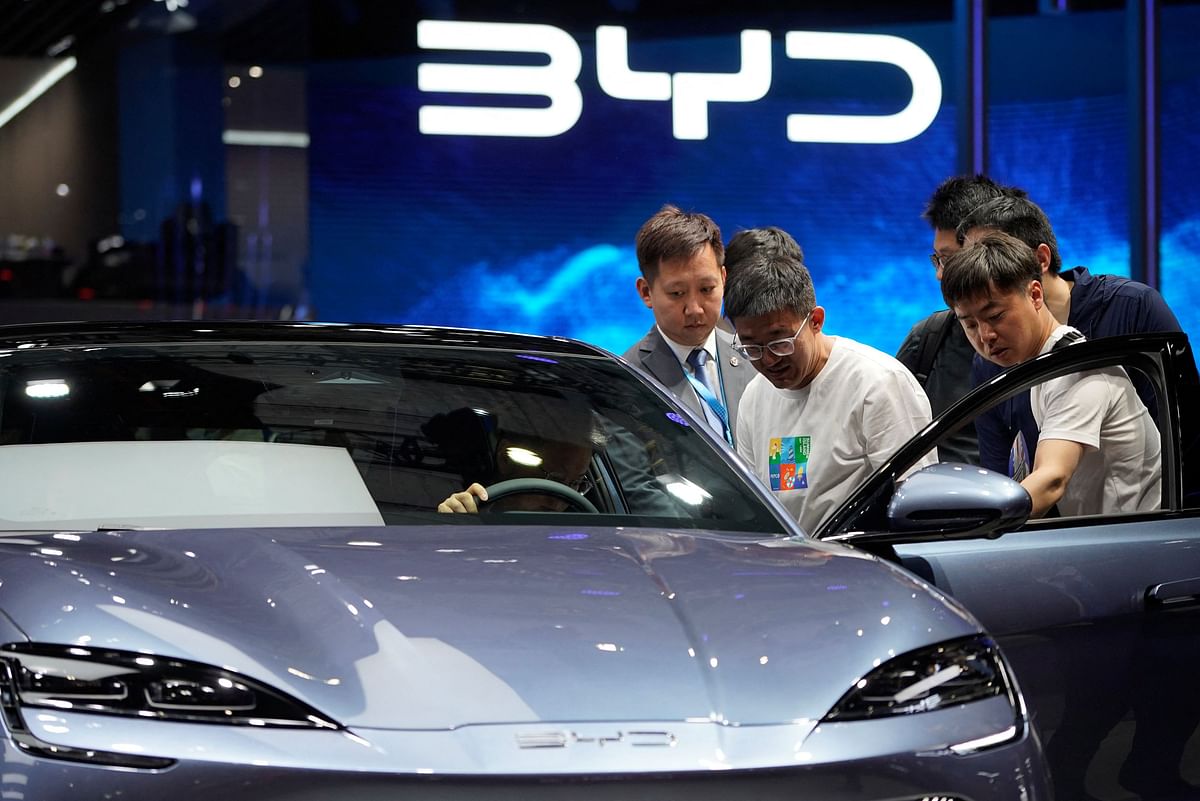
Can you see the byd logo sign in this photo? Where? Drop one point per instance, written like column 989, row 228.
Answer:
column 688, row 92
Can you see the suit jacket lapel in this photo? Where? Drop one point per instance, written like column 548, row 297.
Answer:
column 659, row 360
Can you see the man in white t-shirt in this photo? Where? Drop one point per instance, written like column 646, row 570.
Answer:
column 824, row 411
column 1098, row 450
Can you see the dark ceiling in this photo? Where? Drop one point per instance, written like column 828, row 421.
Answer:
column 297, row 30
column 38, row 28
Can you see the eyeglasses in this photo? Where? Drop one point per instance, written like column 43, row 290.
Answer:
column 780, row 347
column 937, row 260
column 583, row 485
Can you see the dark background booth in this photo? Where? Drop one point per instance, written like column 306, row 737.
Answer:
column 205, row 159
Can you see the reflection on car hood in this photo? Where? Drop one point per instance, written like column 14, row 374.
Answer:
column 443, row 626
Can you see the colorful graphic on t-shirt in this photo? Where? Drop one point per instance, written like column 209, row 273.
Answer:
column 788, row 462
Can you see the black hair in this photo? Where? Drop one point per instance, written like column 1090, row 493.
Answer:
column 958, row 196
column 995, row 262
column 768, row 240
column 1015, row 216
column 766, row 274
column 675, row 234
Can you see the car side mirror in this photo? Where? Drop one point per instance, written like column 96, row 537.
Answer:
column 957, row 501
column 949, row 502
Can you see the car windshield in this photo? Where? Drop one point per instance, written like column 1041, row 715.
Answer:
column 223, row 433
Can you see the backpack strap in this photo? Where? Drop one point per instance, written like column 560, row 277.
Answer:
column 1069, row 338
column 937, row 327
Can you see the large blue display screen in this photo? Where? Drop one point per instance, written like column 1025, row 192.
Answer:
column 535, row 232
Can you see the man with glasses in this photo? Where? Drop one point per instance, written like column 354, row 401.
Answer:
column 936, row 350
column 824, row 411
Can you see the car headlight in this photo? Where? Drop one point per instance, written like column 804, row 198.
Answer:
column 113, row 682
column 930, row 678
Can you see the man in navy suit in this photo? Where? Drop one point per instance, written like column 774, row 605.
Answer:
column 682, row 260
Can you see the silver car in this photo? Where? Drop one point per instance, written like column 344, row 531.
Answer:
column 223, row 574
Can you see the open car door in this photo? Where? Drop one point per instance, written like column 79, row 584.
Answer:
column 1099, row 615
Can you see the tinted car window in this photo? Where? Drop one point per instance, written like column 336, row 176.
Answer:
column 418, row 423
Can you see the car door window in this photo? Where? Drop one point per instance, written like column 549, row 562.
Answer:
column 1163, row 361
column 1102, row 423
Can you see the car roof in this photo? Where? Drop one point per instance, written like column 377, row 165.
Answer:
column 133, row 332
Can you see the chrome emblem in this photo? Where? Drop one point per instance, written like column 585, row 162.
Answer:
column 563, row 739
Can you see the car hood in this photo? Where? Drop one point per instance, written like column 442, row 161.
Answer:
column 444, row 626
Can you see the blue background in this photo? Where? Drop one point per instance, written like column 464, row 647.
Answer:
column 537, row 234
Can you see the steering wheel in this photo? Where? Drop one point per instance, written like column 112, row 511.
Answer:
column 540, row 486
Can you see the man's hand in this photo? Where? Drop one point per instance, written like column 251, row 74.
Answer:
column 464, row 501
